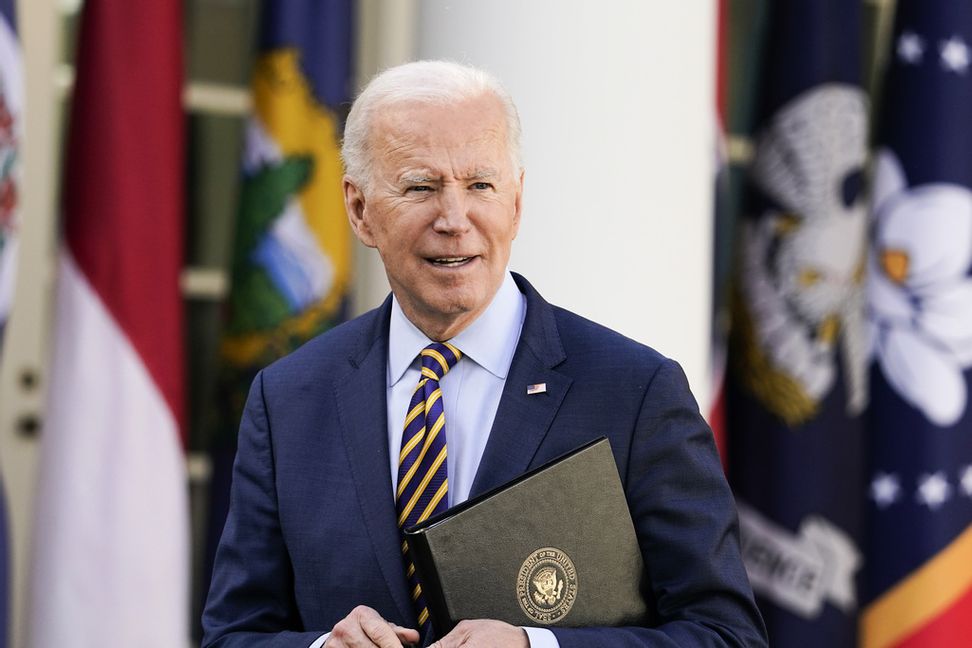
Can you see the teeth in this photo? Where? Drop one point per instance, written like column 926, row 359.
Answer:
column 450, row 260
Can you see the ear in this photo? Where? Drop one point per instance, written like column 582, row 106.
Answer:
column 518, row 204
column 355, row 206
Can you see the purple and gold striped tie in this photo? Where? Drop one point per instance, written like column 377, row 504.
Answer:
column 422, row 475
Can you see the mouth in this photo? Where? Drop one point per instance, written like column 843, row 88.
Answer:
column 450, row 262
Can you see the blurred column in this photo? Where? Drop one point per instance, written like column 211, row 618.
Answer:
column 616, row 102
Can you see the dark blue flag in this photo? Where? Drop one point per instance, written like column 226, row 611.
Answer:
column 4, row 571
column 919, row 575
column 798, row 372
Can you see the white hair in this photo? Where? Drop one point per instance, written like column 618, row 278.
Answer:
column 433, row 82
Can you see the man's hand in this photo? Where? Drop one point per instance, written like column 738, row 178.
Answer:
column 365, row 628
column 484, row 633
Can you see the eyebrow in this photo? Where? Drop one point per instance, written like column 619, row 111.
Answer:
column 416, row 178
column 422, row 177
column 484, row 174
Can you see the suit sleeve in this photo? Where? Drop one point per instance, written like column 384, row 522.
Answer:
column 251, row 600
column 685, row 517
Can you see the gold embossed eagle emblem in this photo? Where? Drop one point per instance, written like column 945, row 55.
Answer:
column 546, row 585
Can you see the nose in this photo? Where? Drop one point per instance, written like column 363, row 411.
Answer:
column 453, row 215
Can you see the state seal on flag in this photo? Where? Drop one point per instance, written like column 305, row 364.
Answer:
column 799, row 306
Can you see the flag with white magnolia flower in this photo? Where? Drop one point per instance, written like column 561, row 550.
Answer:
column 919, row 577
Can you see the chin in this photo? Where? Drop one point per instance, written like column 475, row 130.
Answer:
column 457, row 303
column 453, row 307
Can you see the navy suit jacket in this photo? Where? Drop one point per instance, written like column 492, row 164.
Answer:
column 312, row 528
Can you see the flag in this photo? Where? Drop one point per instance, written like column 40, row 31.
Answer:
column 798, row 372
column 292, row 254
column 919, row 577
column 721, row 245
column 111, row 561
column 11, row 132
column 4, row 572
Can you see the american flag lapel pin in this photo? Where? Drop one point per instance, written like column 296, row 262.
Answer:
column 539, row 388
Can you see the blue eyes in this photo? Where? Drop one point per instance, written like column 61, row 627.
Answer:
column 481, row 186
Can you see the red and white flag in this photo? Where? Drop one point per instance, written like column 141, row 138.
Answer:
column 111, row 544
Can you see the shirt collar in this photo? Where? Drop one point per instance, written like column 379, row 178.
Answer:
column 490, row 341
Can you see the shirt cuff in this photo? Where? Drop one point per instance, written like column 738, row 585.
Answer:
column 541, row 638
column 320, row 640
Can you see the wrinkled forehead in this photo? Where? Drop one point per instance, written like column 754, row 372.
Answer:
column 471, row 122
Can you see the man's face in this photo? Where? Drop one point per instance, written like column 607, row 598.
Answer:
column 443, row 208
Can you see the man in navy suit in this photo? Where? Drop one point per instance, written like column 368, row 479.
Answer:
column 311, row 553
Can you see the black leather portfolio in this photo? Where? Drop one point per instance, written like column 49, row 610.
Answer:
column 555, row 547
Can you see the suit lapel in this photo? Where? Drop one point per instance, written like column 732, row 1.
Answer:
column 362, row 410
column 522, row 419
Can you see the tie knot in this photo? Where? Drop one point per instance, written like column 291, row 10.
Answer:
column 438, row 358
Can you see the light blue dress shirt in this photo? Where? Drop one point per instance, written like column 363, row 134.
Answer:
column 471, row 393
column 471, row 390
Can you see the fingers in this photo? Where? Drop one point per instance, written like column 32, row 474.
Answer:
column 380, row 631
column 365, row 628
column 484, row 633
column 405, row 635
